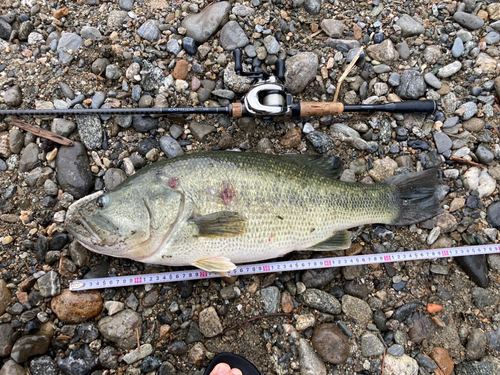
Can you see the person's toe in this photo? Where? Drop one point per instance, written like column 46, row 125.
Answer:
column 222, row 369
column 235, row 371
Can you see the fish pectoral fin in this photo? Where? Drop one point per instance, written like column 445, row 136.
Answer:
column 219, row 265
column 220, row 224
column 339, row 241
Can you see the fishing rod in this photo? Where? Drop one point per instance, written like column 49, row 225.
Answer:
column 268, row 99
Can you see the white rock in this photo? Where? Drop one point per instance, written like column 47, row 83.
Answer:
column 305, row 321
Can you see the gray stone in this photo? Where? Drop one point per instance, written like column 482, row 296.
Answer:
column 149, row 31
column 43, row 365
column 426, row 362
column 394, row 79
column 467, row 20
column 396, row 350
column 484, row 154
column 271, row 298
column 310, row 362
column 410, row 26
column 90, row 130
column 226, row 94
column 233, row 81
column 68, row 46
column 403, row 49
column 114, row 177
column 16, row 141
column 25, row 30
column 412, row 85
column 92, row 33
column 12, row 368
column 482, row 297
column 201, row 26
column 170, row 146
column 470, row 110
column 78, row 362
column 63, row 127
column 356, row 309
column 29, row 157
column 5, row 30
column 458, row 47
column 300, row 71
column 98, row 99
column 332, row 28
column 322, row 301
column 382, row 68
column 200, row 131
column 73, row 170
column 371, row 345
column 442, row 141
column 476, row 345
column 28, row 346
column 124, row 121
column 173, row 46
column 475, row 368
column 176, row 131
column 432, row 81
column 126, row 4
column 271, row 44
column 321, row 142
column 492, row 37
column 49, row 284
column 232, row 36
column 6, row 342
column 113, row 72
column 449, row 70
column 312, row 6
column 116, row 19
column 121, row 328
column 383, row 52
column 13, row 97
column 143, row 124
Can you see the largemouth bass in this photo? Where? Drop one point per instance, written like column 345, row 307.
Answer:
column 212, row 210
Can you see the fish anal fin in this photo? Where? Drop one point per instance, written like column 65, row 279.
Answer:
column 220, row 224
column 219, row 265
column 341, row 240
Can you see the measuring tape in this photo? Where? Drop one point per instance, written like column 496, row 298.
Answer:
column 292, row 265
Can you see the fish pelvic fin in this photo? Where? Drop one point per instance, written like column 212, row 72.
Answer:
column 415, row 196
column 220, row 265
column 341, row 240
column 220, row 224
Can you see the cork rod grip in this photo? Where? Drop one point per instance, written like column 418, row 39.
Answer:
column 320, row 109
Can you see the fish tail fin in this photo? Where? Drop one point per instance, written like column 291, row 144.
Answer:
column 416, row 196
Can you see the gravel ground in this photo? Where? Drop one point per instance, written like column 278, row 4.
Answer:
column 428, row 317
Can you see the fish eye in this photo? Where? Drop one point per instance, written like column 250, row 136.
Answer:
column 102, row 201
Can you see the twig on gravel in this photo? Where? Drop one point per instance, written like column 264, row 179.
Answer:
column 383, row 361
column 138, row 340
column 42, row 132
column 251, row 320
column 465, row 161
column 344, row 75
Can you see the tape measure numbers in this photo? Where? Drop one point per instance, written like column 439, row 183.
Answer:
column 293, row 265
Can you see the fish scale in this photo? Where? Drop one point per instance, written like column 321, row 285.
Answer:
column 219, row 208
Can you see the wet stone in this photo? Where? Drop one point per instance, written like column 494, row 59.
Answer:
column 331, row 343
column 49, row 284
column 79, row 362
column 403, row 312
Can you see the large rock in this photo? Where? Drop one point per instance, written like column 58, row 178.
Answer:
column 12, row 368
column 331, row 343
column 301, row 70
column 232, row 36
column 28, row 346
column 201, row 26
column 73, row 170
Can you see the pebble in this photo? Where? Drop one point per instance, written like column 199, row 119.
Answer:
column 232, row 36
column 189, row 45
column 149, row 31
column 443, row 360
column 49, row 284
column 371, row 345
column 13, row 96
column 312, row 6
column 484, row 155
column 201, row 26
column 200, row 131
column 432, row 81
column 126, row 4
column 383, row 52
column 332, row 28
column 476, row 345
column 458, row 47
column 403, row 365
column 356, row 309
column 322, row 301
column 138, row 354
column 28, row 346
column 321, row 142
column 43, row 365
column 79, row 362
column 449, row 70
column 271, row 298
column 121, row 328
column 411, row 86
column 396, row 350
column 143, row 124
column 209, row 322
column 29, row 157
column 310, row 362
column 467, row 20
column 475, row 368
column 382, row 169
column 68, row 46
column 76, row 307
column 476, row 268
column 403, row 312
column 443, row 142
column 300, row 70
column 410, row 26
column 73, row 170
column 63, row 127
column 470, row 110
column 331, row 343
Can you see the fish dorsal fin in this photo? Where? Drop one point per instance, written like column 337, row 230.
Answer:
column 329, row 166
column 220, row 224
column 339, row 241
column 220, row 265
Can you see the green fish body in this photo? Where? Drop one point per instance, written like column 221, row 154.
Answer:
column 216, row 209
